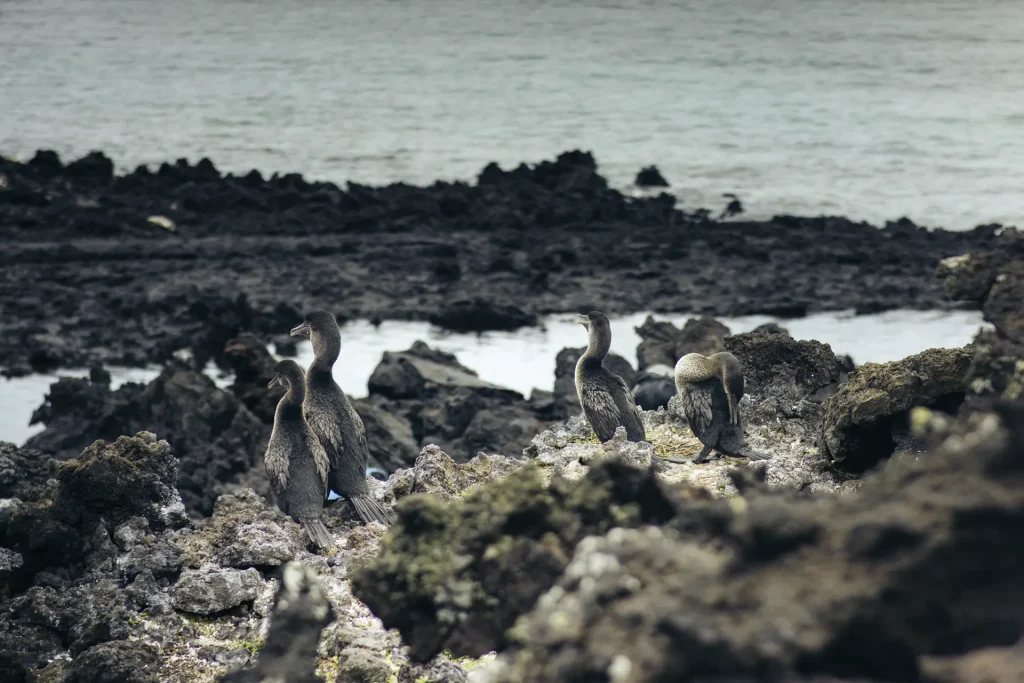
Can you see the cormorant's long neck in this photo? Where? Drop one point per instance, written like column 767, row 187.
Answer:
column 598, row 345
column 326, row 347
column 290, row 405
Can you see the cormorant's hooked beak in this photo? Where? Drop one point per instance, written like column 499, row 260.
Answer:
column 582, row 319
column 301, row 331
column 274, row 382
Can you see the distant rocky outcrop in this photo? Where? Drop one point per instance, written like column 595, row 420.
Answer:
column 663, row 343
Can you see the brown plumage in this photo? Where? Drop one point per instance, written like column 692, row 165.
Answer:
column 607, row 401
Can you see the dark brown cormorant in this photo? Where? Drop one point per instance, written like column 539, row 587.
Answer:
column 607, row 401
column 710, row 389
column 295, row 462
column 334, row 421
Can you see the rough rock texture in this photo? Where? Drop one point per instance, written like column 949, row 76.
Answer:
column 214, row 436
column 429, row 397
column 923, row 561
column 453, row 576
column 301, row 612
column 993, row 279
column 650, row 176
column 663, row 343
column 253, row 366
column 24, row 472
column 867, row 419
column 565, row 378
column 226, row 254
column 654, row 387
column 478, row 315
column 113, row 588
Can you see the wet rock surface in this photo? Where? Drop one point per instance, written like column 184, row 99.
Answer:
column 541, row 239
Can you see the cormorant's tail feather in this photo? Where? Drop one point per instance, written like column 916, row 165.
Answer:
column 754, row 455
column 371, row 511
column 317, row 532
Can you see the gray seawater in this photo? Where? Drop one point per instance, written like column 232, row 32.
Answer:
column 525, row 360
column 872, row 109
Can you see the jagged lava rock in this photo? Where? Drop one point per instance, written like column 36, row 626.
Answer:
column 663, row 343
column 451, row 576
column 242, row 532
column 134, row 476
column 864, row 422
column 24, row 472
column 478, row 315
column 445, row 402
column 922, row 561
column 565, row 377
column 435, row 472
column 253, row 366
column 214, row 436
column 210, row 590
column 650, row 176
column 654, row 387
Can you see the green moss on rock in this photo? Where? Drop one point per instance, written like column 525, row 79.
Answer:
column 457, row 576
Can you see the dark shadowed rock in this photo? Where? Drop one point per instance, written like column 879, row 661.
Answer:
column 442, row 401
column 116, row 662
column 131, row 477
column 24, row 472
column 654, row 387
column 479, row 315
column 253, row 367
column 867, row 418
column 781, row 367
column 663, row 343
column 389, row 435
column 565, row 377
column 650, row 176
column 214, row 436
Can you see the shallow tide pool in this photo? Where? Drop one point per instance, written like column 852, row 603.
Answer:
column 525, row 360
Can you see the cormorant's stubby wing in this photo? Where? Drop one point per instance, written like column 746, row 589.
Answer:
column 696, row 400
column 328, row 432
column 631, row 419
column 601, row 409
column 275, row 462
column 320, row 458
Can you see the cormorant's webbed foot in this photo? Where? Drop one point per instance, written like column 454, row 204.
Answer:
column 671, row 458
column 702, row 456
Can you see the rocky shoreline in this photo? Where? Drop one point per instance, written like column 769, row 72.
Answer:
column 574, row 560
column 129, row 269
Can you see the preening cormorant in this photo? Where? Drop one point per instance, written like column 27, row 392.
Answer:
column 607, row 401
column 333, row 419
column 295, row 462
column 710, row 389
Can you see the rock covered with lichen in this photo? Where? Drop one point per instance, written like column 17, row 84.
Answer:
column 123, row 586
column 863, row 587
column 867, row 419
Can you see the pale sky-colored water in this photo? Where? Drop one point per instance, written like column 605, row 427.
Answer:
column 525, row 360
column 872, row 109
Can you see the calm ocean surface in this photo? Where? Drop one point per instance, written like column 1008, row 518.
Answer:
column 872, row 109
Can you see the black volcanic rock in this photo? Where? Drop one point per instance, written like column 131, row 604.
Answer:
column 478, row 315
column 650, row 176
column 519, row 244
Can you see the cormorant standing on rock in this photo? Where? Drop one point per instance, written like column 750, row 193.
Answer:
column 333, row 419
column 607, row 401
column 295, row 462
column 710, row 389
